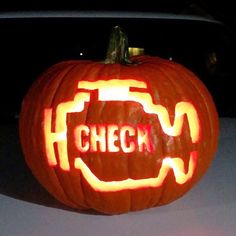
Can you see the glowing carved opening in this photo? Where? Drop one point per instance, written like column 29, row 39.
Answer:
column 127, row 131
column 176, row 164
column 107, row 91
column 102, row 138
column 59, row 136
column 118, row 90
column 82, row 143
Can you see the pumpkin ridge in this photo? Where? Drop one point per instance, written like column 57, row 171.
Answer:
column 174, row 98
column 205, row 98
column 128, row 166
column 180, row 89
column 210, row 109
column 98, row 71
column 60, row 178
column 150, row 84
column 91, row 66
column 144, row 72
column 51, row 174
column 52, row 98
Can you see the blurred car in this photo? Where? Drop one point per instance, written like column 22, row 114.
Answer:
column 30, row 42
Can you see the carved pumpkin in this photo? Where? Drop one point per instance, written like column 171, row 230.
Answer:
column 118, row 137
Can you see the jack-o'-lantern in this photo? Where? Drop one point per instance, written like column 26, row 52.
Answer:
column 120, row 135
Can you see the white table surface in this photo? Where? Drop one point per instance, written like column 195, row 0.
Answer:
column 208, row 209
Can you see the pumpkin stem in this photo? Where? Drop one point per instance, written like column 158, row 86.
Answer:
column 117, row 51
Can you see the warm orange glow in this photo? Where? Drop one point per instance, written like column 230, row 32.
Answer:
column 112, row 90
column 82, row 131
column 112, row 138
column 98, row 138
column 176, row 164
column 127, row 146
column 59, row 136
column 144, row 138
column 51, row 137
column 107, row 91
column 102, row 138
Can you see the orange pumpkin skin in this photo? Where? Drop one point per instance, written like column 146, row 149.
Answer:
column 168, row 83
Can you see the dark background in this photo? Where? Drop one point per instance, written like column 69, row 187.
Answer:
column 222, row 10
column 30, row 45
